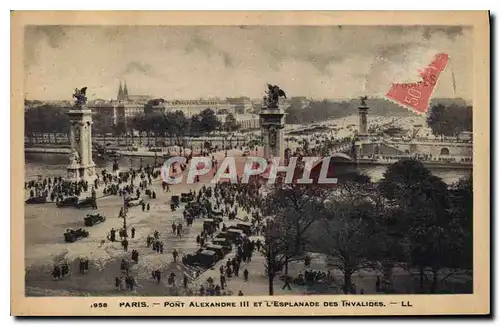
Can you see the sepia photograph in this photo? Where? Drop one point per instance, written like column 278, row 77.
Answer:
column 251, row 160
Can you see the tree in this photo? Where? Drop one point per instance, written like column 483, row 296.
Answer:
column 349, row 232
column 176, row 124
column 120, row 128
column 449, row 120
column 195, row 127
column 427, row 227
column 139, row 122
column 151, row 104
column 101, row 126
column 272, row 251
column 46, row 119
column 231, row 124
column 207, row 121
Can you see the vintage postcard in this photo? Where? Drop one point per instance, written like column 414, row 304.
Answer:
column 250, row 163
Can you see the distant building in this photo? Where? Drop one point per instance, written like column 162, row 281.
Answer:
column 193, row 107
column 241, row 104
column 246, row 121
column 124, row 96
column 127, row 106
column 104, row 113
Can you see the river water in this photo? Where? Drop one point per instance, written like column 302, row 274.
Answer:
column 55, row 165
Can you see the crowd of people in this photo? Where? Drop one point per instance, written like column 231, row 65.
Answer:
column 224, row 200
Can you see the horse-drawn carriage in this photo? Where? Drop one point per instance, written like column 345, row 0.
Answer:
column 187, row 197
column 36, row 200
column 73, row 235
column 93, row 219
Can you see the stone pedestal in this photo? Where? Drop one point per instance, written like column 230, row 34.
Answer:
column 81, row 165
column 272, row 123
column 363, row 120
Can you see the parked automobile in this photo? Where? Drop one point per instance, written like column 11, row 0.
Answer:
column 245, row 227
column 236, row 235
column 67, row 202
column 134, row 202
column 204, row 258
column 218, row 249
column 87, row 202
column 226, row 244
column 208, row 258
column 93, row 219
column 36, row 200
column 73, row 235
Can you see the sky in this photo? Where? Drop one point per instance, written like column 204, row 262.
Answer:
column 220, row 61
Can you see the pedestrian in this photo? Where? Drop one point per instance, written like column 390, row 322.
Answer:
column 118, row 283
column 240, row 293
column 148, row 207
column 222, row 281
column 143, row 206
column 125, row 244
column 287, row 283
column 245, row 274
column 185, row 281
column 175, row 254
column 133, row 232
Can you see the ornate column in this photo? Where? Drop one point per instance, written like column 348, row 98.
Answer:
column 72, row 136
column 89, row 137
column 83, row 144
column 82, row 165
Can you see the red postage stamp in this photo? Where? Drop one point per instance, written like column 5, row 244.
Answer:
column 416, row 96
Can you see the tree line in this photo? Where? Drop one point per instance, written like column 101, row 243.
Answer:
column 410, row 219
column 51, row 119
column 449, row 120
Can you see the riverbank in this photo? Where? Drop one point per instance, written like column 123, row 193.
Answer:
column 428, row 164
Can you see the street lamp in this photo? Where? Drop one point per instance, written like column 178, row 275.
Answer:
column 125, row 213
column 272, row 233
